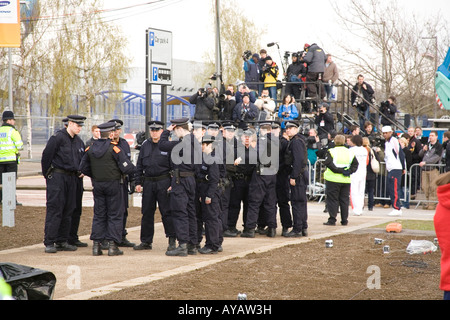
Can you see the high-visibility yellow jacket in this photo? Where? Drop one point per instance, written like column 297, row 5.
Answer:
column 10, row 143
column 342, row 158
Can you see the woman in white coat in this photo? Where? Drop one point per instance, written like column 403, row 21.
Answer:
column 358, row 178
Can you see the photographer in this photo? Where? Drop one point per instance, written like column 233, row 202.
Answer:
column 245, row 111
column 266, row 106
column 315, row 59
column 295, row 75
column 362, row 90
column 324, row 121
column 204, row 103
column 388, row 109
column 251, row 69
column 269, row 76
column 226, row 105
column 242, row 89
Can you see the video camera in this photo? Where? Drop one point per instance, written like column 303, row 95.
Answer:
column 246, row 55
column 384, row 105
column 215, row 76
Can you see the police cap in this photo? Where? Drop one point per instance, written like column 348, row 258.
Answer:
column 199, row 125
column 213, row 126
column 276, row 124
column 77, row 119
column 180, row 122
column 228, row 126
column 266, row 124
column 107, row 126
column 208, row 139
column 118, row 123
column 7, row 115
column 155, row 125
column 291, row 124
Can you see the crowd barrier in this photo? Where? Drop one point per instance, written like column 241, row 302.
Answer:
column 412, row 185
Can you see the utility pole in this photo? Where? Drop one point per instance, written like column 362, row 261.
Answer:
column 218, row 47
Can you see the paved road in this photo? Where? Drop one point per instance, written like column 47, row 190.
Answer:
column 81, row 275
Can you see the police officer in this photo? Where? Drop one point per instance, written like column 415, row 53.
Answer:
column 153, row 174
column 263, row 184
column 76, row 216
column 60, row 165
column 241, row 172
column 208, row 179
column 123, row 144
column 341, row 163
column 229, row 144
column 106, row 164
column 11, row 142
column 298, row 179
column 184, row 153
column 282, row 188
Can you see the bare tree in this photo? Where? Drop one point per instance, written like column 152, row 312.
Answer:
column 237, row 33
column 387, row 46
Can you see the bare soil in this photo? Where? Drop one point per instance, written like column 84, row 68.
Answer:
column 308, row 271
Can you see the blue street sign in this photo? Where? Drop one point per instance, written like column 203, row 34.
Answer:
column 155, row 73
column 151, row 39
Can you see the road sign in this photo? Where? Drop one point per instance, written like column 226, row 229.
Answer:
column 159, row 57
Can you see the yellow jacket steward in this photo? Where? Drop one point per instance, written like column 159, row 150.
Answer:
column 10, row 143
column 339, row 159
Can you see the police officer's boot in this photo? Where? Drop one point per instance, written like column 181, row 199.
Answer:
column 248, row 233
column 192, row 248
column 180, row 251
column 172, row 244
column 97, row 249
column 271, row 232
column 113, row 249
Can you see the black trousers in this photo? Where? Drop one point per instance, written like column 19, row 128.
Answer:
column 182, row 206
column 60, row 205
column 239, row 194
column 338, row 196
column 76, row 216
column 107, row 223
column 211, row 218
column 262, row 193
column 299, row 205
column 155, row 192
column 283, row 195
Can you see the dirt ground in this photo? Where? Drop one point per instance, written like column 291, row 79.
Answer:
column 308, row 271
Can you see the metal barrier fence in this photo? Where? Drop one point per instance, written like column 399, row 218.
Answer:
column 416, row 185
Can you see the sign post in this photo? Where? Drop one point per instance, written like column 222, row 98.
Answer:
column 159, row 69
column 10, row 35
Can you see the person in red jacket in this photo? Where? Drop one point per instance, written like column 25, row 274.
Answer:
column 442, row 227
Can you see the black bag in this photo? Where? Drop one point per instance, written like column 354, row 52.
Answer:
column 28, row 283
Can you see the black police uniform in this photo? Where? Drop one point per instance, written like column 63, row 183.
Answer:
column 153, row 173
column 208, row 178
column 241, row 175
column 60, row 165
column 106, row 164
column 282, row 188
column 228, row 146
column 123, row 144
column 263, row 189
column 298, row 161
column 183, row 187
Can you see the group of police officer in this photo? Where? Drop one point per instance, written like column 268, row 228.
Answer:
column 197, row 174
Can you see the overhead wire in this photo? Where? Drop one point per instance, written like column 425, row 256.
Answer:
column 119, row 15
